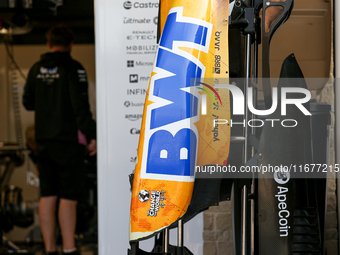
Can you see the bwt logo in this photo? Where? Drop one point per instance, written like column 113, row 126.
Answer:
column 170, row 138
column 238, row 100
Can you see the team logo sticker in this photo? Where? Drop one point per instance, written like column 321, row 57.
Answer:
column 144, row 196
column 282, row 176
column 156, row 202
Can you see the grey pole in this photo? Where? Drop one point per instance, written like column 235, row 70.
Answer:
column 166, row 240
column 180, row 237
column 337, row 92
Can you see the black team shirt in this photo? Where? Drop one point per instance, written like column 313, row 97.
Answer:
column 57, row 90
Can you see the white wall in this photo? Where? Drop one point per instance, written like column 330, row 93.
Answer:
column 116, row 144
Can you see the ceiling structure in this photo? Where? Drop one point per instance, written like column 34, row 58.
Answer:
column 28, row 20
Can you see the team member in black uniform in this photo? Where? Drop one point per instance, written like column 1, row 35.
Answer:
column 56, row 90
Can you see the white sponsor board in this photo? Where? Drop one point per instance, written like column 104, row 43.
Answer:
column 126, row 33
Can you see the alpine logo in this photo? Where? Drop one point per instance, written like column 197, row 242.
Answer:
column 44, row 70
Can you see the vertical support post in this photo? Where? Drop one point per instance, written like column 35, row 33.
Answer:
column 246, row 130
column 252, row 219
column 166, row 240
column 134, row 247
column 336, row 6
column 180, row 237
column 253, row 188
column 248, row 84
column 244, row 219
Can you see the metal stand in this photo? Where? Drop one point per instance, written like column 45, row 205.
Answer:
column 166, row 240
column 249, row 23
column 180, row 234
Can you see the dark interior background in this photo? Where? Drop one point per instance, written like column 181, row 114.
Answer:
column 36, row 16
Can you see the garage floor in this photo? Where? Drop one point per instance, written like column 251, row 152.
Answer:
column 37, row 249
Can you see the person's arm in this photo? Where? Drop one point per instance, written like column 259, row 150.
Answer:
column 28, row 98
column 78, row 88
column 92, row 147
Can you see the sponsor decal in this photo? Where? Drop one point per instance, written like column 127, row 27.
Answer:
column 144, row 196
column 217, row 65
column 134, row 131
column 48, row 75
column 133, row 78
column 282, row 176
column 216, row 105
column 133, row 159
column 171, row 140
column 145, row 78
column 136, row 92
column 130, row 63
column 156, row 202
column 145, row 32
column 82, row 75
column 132, row 104
column 44, row 70
column 141, row 37
column 127, row 5
column 141, row 49
column 215, row 130
column 204, row 100
column 139, row 5
column 133, row 117
column 155, row 20
column 217, row 40
column 143, row 63
column 136, row 21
